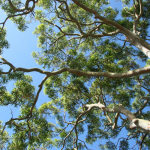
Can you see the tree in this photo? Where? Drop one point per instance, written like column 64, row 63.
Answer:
column 99, row 74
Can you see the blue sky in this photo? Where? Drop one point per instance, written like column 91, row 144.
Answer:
column 19, row 54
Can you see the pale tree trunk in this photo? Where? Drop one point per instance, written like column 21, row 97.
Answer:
column 134, row 122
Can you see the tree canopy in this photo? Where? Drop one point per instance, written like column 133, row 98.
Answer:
column 98, row 80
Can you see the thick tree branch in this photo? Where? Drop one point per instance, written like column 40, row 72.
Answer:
column 134, row 122
column 131, row 37
column 84, row 35
column 27, row 8
column 131, row 73
column 119, row 109
column 14, row 8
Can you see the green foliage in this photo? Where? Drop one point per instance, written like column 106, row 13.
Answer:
column 124, row 145
column 4, row 43
column 45, row 4
column 72, row 37
column 21, row 23
column 109, row 145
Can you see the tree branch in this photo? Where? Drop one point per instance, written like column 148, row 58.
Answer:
column 143, row 138
column 77, row 121
column 116, row 120
column 27, row 8
column 134, row 122
column 71, row 17
column 131, row 37
column 137, row 16
column 131, row 73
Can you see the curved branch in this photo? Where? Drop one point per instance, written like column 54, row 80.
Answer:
column 8, row 63
column 137, row 41
column 1, row 72
column 14, row 8
column 119, row 109
column 134, row 122
column 25, row 8
column 131, row 73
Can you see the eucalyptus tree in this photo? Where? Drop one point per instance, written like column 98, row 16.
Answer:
column 98, row 83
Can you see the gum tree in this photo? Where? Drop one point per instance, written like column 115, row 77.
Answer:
column 98, row 83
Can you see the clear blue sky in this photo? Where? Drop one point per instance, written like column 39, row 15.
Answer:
column 21, row 46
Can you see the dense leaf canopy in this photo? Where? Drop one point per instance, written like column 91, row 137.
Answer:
column 98, row 81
